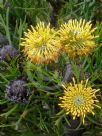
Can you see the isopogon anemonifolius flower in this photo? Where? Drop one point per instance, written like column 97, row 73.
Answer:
column 41, row 44
column 77, row 38
column 79, row 99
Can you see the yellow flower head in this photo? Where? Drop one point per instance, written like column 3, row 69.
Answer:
column 77, row 38
column 79, row 99
column 41, row 44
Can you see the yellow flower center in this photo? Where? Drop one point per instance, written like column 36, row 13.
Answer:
column 78, row 100
column 76, row 32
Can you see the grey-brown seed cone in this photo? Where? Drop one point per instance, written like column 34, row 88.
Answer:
column 16, row 91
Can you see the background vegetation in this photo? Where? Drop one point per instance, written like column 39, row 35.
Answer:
column 39, row 116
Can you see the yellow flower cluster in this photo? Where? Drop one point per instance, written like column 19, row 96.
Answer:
column 42, row 44
column 79, row 99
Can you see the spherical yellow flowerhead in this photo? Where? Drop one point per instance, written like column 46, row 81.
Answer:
column 79, row 99
column 41, row 44
column 77, row 38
